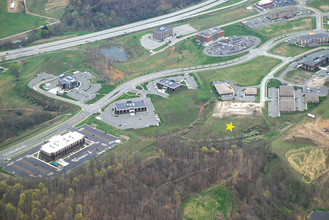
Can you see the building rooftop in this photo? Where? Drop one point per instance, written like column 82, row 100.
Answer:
column 224, row 88
column 312, row 98
column 67, row 79
column 312, row 36
column 130, row 104
column 61, row 141
column 286, row 91
column 210, row 32
column 169, row 83
column 287, row 105
column 162, row 29
column 313, row 61
column 282, row 9
column 251, row 91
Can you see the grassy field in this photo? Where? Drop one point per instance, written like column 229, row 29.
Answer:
column 185, row 53
column 249, row 73
column 173, row 112
column 14, row 23
column 322, row 5
column 297, row 76
column 288, row 50
column 214, row 203
column 50, row 8
column 295, row 25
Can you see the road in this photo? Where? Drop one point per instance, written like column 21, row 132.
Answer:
column 88, row 110
column 114, row 32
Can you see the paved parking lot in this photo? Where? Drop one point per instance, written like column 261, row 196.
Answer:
column 28, row 166
column 300, row 100
column 149, row 43
column 238, row 92
column 230, row 46
column 275, row 4
column 127, row 121
column 264, row 21
column 41, row 77
column 273, row 104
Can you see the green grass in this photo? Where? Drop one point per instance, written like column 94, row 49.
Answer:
column 67, row 97
column 98, row 97
column 14, row 23
column 105, row 89
column 295, row 25
column 274, row 83
column 175, row 112
column 288, row 50
column 127, row 95
column 227, row 3
column 297, row 76
column 39, row 6
column 210, row 204
column 245, row 74
column 322, row 5
column 241, row 29
column 161, row 47
column 184, row 53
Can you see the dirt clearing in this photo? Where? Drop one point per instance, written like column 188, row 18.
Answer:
column 225, row 109
column 13, row 10
column 310, row 161
column 317, row 82
column 55, row 4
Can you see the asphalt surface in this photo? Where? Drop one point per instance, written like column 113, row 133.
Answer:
column 114, row 32
column 87, row 110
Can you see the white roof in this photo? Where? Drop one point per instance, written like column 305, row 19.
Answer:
column 264, row 2
column 59, row 142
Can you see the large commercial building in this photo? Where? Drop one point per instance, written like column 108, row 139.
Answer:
column 162, row 32
column 224, row 89
column 287, row 91
column 130, row 107
column 209, row 35
column 61, row 145
column 312, row 39
column 251, row 91
column 265, row 2
column 169, row 85
column 287, row 106
column 312, row 98
column 314, row 61
column 287, row 12
column 67, row 82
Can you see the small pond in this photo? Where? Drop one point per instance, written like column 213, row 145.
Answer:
column 114, row 53
column 319, row 215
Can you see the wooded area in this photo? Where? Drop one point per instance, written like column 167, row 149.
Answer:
column 128, row 187
column 95, row 15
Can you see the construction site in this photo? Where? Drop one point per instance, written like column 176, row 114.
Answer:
column 227, row 108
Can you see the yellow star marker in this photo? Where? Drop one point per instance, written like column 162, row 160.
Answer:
column 229, row 127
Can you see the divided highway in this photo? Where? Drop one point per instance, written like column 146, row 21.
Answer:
column 114, row 32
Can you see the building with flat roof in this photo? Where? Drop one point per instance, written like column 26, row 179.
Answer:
column 169, row 85
column 130, row 107
column 61, row 145
column 209, row 35
column 224, row 89
column 251, row 91
column 312, row 39
column 312, row 98
column 67, row 82
column 265, row 2
column 162, row 32
column 287, row 106
column 313, row 62
column 286, row 91
column 286, row 12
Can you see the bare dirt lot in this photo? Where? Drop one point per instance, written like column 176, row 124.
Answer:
column 318, row 82
column 225, row 109
column 310, row 161
column 14, row 9
column 55, row 4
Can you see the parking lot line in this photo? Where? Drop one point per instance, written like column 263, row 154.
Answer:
column 22, row 169
column 38, row 168
column 95, row 135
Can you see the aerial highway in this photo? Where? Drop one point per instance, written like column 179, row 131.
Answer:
column 114, row 32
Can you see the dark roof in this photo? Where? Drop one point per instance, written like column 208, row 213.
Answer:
column 312, row 98
column 67, row 79
column 286, row 91
column 162, row 29
column 313, row 61
column 326, row 55
column 130, row 104
column 287, row 105
column 210, row 32
column 169, row 83
column 312, row 36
